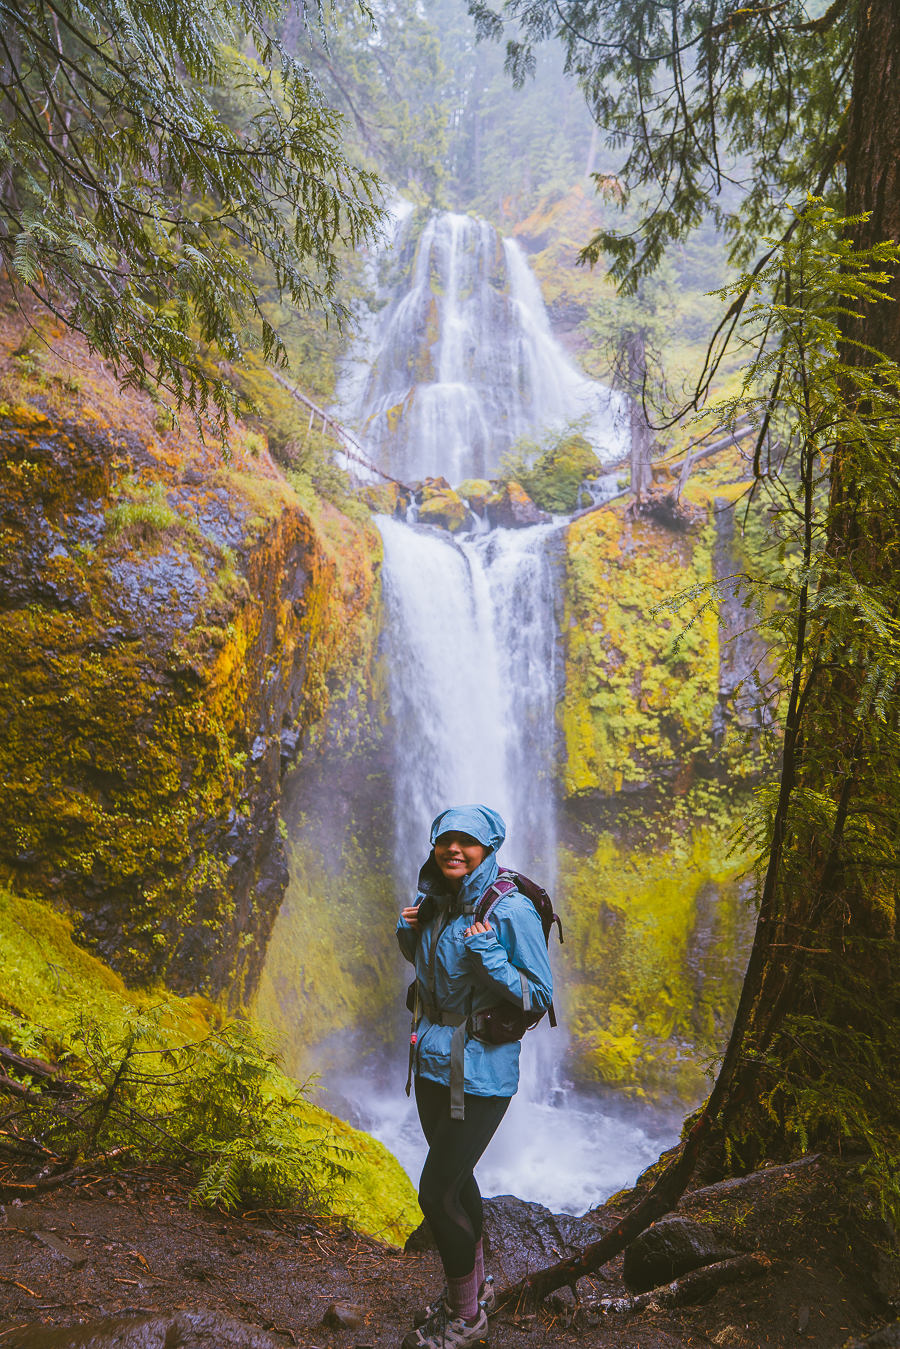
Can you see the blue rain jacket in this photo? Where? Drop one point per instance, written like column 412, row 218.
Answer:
column 474, row 973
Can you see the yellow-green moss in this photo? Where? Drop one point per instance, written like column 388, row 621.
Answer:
column 331, row 964
column 642, row 761
column 635, row 704
column 129, row 712
column 48, row 983
column 656, row 937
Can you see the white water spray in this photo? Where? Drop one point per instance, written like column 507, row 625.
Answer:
column 460, row 361
column 458, row 364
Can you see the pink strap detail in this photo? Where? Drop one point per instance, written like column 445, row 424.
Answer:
column 494, row 893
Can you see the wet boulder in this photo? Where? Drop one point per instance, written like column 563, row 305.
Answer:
column 199, row 1329
column 512, row 508
column 440, row 505
column 476, row 492
column 670, row 1248
column 520, row 1236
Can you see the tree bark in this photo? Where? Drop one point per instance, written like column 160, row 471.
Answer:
column 872, row 158
column 641, row 472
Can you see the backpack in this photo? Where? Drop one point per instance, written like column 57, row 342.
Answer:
column 502, row 1024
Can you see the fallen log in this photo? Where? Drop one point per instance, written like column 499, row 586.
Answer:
column 14, row 1088
column 26, row 1189
column 693, row 1287
column 35, row 1067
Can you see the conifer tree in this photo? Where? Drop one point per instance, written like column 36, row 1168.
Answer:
column 149, row 154
column 805, row 112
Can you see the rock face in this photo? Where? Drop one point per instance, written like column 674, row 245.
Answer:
column 520, row 1236
column 669, row 1249
column 512, row 508
column 440, row 505
column 184, row 1330
column 167, row 621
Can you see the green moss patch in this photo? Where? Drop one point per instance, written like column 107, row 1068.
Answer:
column 58, row 1001
column 656, row 942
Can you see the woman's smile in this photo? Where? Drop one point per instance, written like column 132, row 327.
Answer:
column 458, row 855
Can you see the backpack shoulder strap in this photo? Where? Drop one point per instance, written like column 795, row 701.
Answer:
column 492, row 895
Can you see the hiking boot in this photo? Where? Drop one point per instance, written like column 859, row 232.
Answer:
column 444, row 1331
column 487, row 1298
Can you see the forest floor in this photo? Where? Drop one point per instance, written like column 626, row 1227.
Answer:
column 134, row 1246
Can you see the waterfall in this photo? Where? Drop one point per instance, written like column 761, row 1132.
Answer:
column 471, row 639
column 459, row 361
column 471, row 649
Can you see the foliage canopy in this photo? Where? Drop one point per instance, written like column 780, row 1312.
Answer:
column 149, row 153
column 729, row 110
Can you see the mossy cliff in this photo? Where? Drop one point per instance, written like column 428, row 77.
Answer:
column 330, row 982
column 658, row 754
column 169, row 619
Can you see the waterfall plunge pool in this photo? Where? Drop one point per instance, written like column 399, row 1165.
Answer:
column 566, row 1149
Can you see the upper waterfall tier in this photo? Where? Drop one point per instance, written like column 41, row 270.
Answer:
column 460, row 361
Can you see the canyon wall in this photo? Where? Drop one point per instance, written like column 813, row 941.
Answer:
column 170, row 617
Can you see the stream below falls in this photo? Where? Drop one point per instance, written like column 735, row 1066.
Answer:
column 471, row 641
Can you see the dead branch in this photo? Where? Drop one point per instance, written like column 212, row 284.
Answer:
column 350, row 446
column 694, row 1287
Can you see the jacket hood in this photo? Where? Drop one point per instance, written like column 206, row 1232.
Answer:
column 487, row 827
column 480, row 821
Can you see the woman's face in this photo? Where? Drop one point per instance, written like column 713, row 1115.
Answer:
column 458, row 855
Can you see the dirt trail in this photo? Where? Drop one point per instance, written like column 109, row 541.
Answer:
column 134, row 1246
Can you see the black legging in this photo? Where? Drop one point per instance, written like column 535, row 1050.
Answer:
column 448, row 1193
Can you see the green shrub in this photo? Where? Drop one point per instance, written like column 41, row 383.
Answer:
column 149, row 1077
column 552, row 471
column 144, row 510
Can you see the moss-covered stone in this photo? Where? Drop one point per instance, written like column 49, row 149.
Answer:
column 510, row 507
column 446, row 509
column 49, row 984
column 169, row 617
column 476, row 492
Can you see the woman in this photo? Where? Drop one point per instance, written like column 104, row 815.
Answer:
column 464, row 1085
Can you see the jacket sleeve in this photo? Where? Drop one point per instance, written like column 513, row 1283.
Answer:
column 408, row 940
column 516, row 943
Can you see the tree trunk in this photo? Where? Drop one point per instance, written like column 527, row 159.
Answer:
column 832, row 942
column 641, row 472
column 873, row 159
column 821, row 1000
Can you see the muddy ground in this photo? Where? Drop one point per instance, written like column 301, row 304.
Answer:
column 134, row 1246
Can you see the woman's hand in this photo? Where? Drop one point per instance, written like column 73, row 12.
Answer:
column 411, row 916
column 477, row 929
